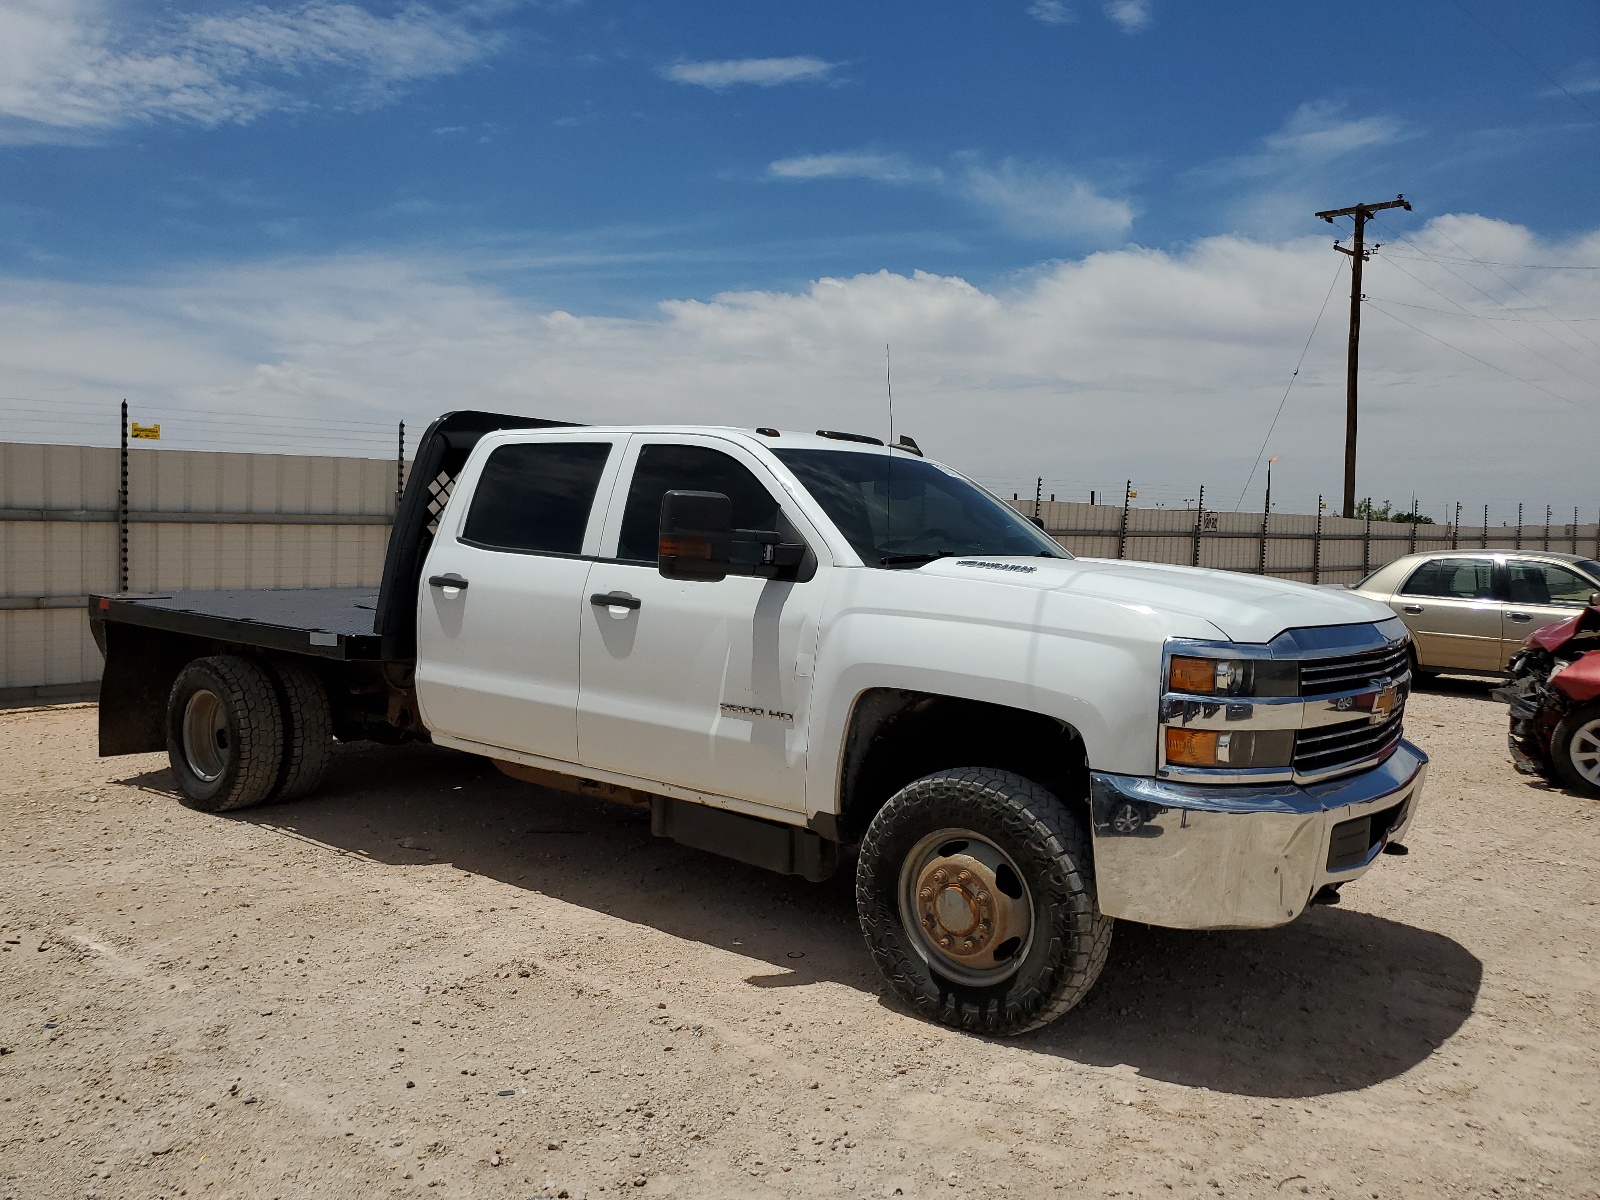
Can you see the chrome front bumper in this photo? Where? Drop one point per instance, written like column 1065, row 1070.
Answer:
column 1192, row 856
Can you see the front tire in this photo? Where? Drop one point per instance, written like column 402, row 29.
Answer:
column 224, row 733
column 975, row 889
column 1575, row 749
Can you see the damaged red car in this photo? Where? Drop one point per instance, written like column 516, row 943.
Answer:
column 1554, row 696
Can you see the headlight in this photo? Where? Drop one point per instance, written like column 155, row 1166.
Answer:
column 1192, row 747
column 1242, row 749
column 1192, row 676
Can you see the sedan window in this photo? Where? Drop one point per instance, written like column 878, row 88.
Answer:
column 1545, row 583
column 1452, row 579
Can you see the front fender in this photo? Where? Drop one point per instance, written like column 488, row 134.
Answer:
column 1092, row 665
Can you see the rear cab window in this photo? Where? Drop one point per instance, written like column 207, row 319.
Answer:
column 536, row 497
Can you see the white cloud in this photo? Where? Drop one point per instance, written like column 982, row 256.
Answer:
column 1030, row 200
column 1052, row 12
column 1132, row 15
column 1044, row 202
column 1318, row 132
column 1134, row 362
column 1313, row 155
column 885, row 168
column 763, row 72
column 69, row 68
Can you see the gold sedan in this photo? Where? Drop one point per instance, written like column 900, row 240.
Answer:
column 1471, row 610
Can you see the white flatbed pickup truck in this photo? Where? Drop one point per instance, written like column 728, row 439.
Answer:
column 802, row 649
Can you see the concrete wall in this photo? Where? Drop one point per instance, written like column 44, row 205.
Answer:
column 217, row 520
column 196, row 520
column 1343, row 552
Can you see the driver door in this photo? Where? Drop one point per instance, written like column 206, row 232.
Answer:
column 705, row 685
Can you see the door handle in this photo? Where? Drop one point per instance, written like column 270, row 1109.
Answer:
column 1518, row 617
column 1414, row 609
column 447, row 581
column 615, row 600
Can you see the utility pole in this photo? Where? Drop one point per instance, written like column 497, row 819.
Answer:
column 1360, row 214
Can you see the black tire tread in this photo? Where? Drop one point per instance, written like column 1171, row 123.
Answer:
column 1032, row 816
column 247, row 691
column 307, row 730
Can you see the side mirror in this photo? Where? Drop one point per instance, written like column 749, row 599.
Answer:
column 1039, row 521
column 696, row 538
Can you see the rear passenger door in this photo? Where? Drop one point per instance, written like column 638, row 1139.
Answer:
column 1451, row 608
column 502, row 594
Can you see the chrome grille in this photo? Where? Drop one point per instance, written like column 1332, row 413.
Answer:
column 1330, row 747
column 1352, row 672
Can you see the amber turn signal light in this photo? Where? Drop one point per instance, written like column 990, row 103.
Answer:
column 684, row 547
column 1191, row 748
column 1193, row 675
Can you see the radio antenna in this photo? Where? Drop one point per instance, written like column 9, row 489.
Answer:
column 888, row 383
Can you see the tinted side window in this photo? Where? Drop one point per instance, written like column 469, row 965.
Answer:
column 1453, row 579
column 536, row 497
column 663, row 469
column 1546, row 583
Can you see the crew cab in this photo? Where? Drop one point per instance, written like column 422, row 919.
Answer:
column 811, row 650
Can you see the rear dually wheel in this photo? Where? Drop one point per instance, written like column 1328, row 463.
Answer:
column 224, row 733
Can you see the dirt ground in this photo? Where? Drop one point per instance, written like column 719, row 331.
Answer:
column 432, row 981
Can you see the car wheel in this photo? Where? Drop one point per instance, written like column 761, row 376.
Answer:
column 975, row 889
column 307, row 730
column 1575, row 749
column 224, row 733
column 1420, row 673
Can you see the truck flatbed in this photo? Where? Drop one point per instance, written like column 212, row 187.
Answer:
column 321, row 622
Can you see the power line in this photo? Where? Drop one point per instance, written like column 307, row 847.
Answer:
column 1285, row 398
column 1482, row 262
column 1476, row 359
column 1514, row 341
column 1459, row 312
column 345, row 422
column 1498, row 276
column 1561, row 87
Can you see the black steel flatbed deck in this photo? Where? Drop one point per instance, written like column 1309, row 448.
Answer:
column 326, row 622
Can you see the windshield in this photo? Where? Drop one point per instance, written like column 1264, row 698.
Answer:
column 899, row 511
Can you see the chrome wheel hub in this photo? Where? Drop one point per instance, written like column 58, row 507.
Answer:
column 206, row 748
column 1584, row 751
column 965, row 907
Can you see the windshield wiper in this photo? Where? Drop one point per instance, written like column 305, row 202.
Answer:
column 912, row 560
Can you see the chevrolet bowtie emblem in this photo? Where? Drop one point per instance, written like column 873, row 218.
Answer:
column 1383, row 704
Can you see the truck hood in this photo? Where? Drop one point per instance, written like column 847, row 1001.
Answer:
column 1242, row 608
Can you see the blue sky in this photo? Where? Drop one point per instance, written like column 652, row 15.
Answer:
column 176, row 179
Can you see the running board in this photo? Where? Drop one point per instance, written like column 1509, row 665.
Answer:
column 786, row 849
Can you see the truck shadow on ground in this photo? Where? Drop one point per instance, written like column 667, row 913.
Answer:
column 1336, row 1001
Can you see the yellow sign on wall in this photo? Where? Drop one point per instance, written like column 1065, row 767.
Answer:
column 148, row 432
